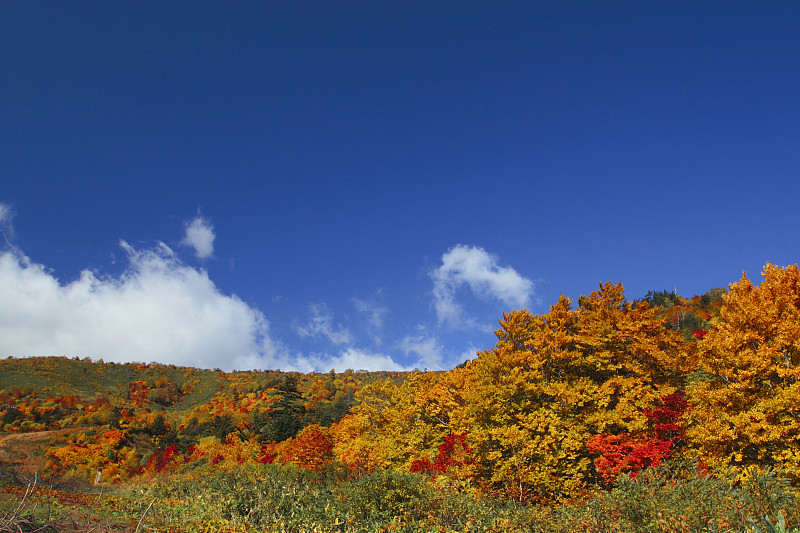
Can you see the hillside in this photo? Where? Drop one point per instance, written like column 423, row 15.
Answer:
column 569, row 399
column 124, row 418
column 147, row 405
column 569, row 406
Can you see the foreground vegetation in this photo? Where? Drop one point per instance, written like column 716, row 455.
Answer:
column 673, row 497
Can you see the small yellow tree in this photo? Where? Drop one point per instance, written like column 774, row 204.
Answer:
column 392, row 424
column 746, row 409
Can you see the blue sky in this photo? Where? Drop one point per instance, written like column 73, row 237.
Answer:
column 317, row 185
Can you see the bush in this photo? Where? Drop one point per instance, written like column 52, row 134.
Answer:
column 671, row 498
column 386, row 494
column 680, row 497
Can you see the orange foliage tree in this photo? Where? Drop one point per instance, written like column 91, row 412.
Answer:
column 746, row 398
column 626, row 453
column 83, row 455
column 392, row 425
column 554, row 380
column 311, row 448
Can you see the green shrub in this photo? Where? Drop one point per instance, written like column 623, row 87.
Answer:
column 679, row 497
column 386, row 494
column 671, row 498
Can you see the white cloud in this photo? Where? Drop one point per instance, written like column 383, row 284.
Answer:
column 475, row 268
column 321, row 325
column 467, row 355
column 200, row 236
column 349, row 358
column 427, row 349
column 375, row 314
column 158, row 309
column 6, row 216
column 161, row 309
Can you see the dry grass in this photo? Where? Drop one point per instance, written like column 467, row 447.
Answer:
column 62, row 506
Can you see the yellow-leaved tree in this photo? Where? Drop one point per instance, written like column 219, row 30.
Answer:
column 554, row 380
column 517, row 419
column 391, row 424
column 746, row 403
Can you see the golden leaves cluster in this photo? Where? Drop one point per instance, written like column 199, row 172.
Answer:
column 746, row 409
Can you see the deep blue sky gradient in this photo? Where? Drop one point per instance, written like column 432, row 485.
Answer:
column 340, row 149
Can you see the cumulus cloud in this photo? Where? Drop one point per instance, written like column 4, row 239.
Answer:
column 427, row 349
column 478, row 270
column 320, row 324
column 161, row 309
column 200, row 236
column 158, row 309
column 349, row 358
column 375, row 313
column 6, row 217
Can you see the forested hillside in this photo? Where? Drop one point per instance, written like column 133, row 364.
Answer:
column 137, row 417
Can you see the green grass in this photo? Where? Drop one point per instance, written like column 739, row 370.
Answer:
column 271, row 498
column 673, row 499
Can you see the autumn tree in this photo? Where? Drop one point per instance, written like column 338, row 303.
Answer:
column 526, row 408
column 629, row 453
column 312, row 448
column 746, row 398
column 452, row 456
column 554, row 380
column 391, row 425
